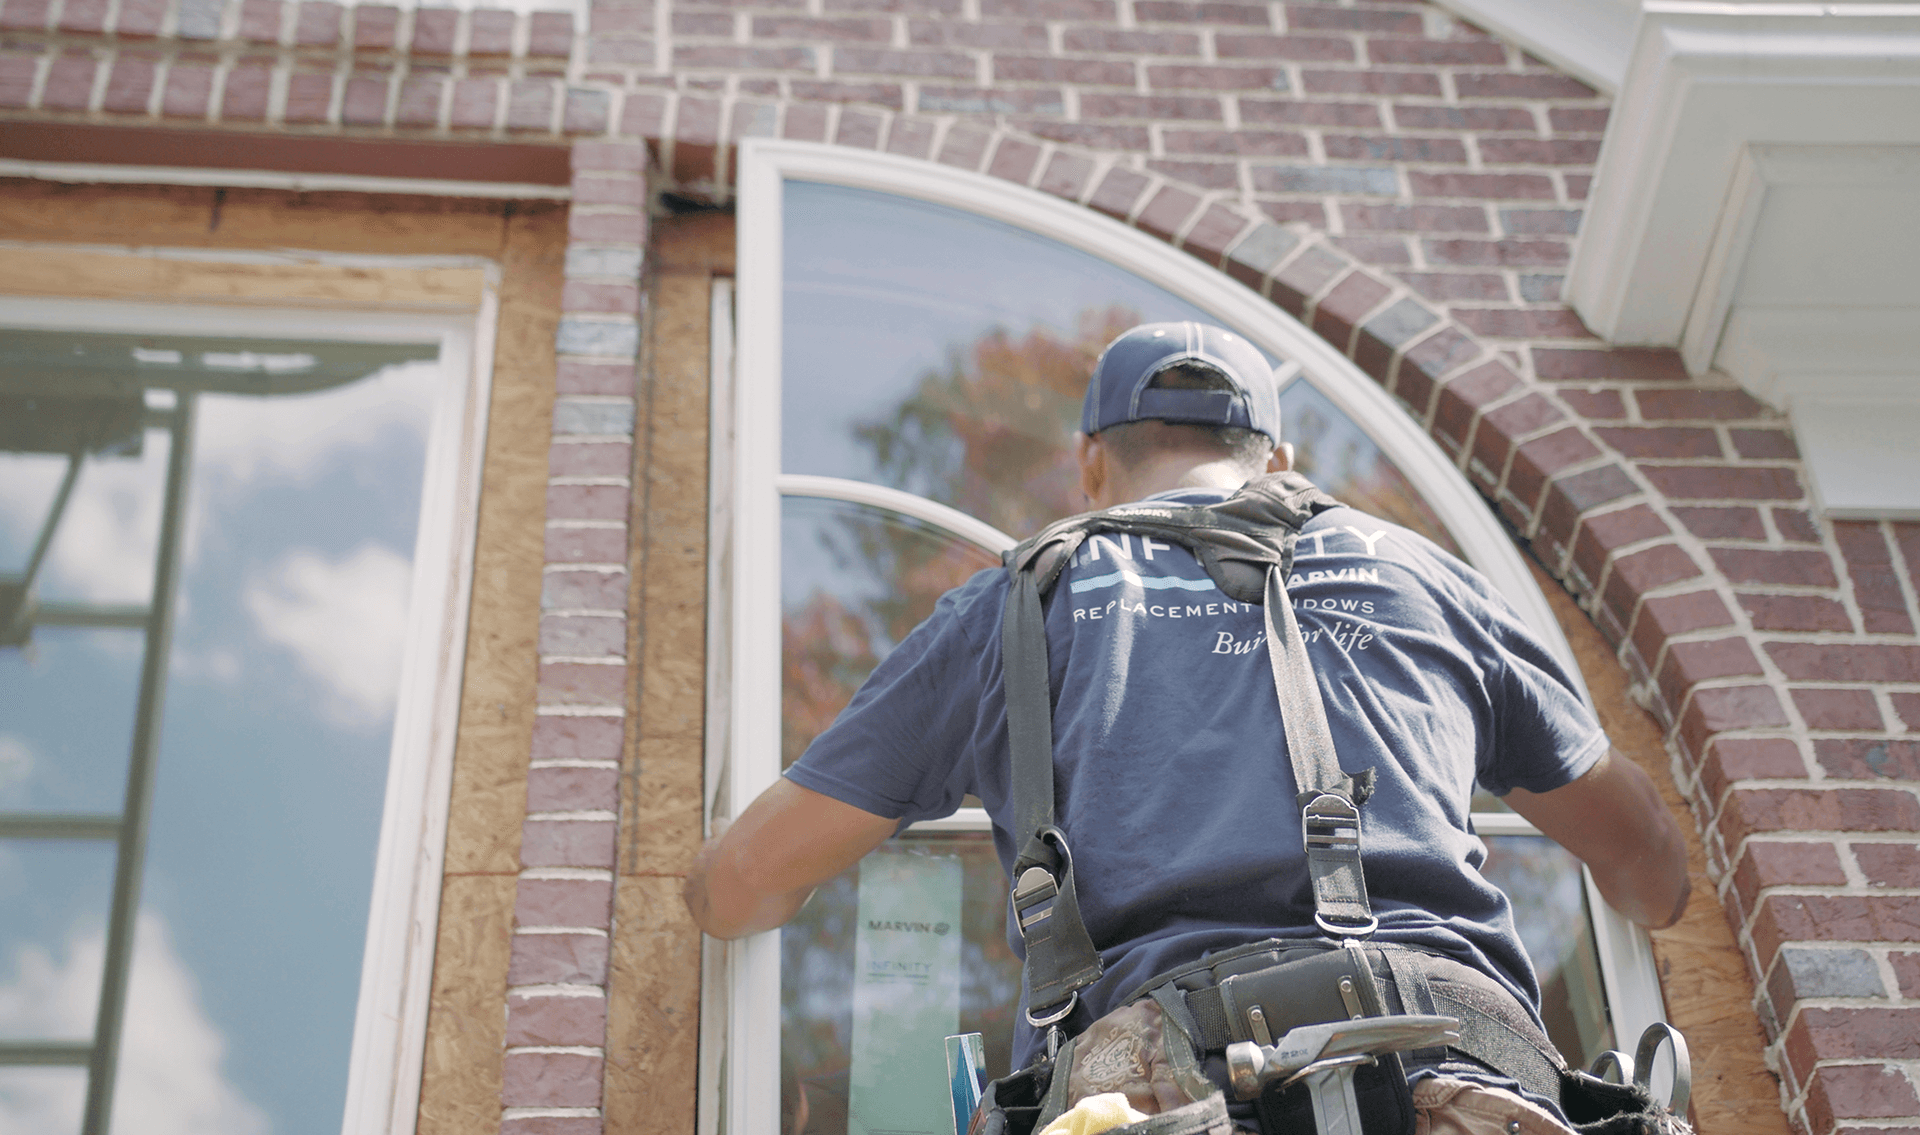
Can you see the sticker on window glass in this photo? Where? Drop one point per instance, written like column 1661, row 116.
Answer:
column 906, row 994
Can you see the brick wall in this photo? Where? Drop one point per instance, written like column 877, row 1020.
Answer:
column 1404, row 183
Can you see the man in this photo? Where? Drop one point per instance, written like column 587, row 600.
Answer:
column 1171, row 780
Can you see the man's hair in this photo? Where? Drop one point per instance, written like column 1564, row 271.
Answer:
column 1134, row 443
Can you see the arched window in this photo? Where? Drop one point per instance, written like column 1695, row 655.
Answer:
column 912, row 346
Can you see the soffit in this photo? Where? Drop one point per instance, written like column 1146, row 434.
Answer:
column 1591, row 39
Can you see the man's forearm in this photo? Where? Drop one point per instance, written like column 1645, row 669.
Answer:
column 729, row 907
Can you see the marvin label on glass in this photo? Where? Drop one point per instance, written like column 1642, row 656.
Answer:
column 906, row 994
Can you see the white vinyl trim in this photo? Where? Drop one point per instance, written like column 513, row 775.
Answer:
column 390, row 1021
column 752, row 1103
column 893, row 500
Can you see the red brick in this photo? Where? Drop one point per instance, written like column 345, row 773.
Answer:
column 490, row 32
column 1608, row 532
column 69, row 82
column 1500, row 428
column 1414, row 218
column 530, row 106
column 1371, row 83
column 551, row 1079
column 140, row 18
column 16, row 80
column 1432, row 359
column 558, row 959
column 808, row 124
column 1888, row 864
column 740, row 57
column 575, row 683
column 1508, row 85
column 1390, row 332
column 1451, row 286
column 558, row 738
column 1309, row 213
column 1286, row 112
column 434, row 30
column 1876, row 590
column 1205, row 11
column 1066, row 175
column 1577, row 120
column 1523, row 323
column 1666, row 616
column 1088, row 10
column 1722, row 709
column 1761, row 565
column 1664, row 441
column 1858, row 1091
column 586, row 546
column 309, row 97
column 1357, row 147
column 1752, row 810
column 1573, row 494
column 1051, row 69
column 1115, row 41
column 419, row 102
column 1868, row 759
column 584, row 590
column 590, row 458
column 1690, row 663
column 1013, row 36
column 556, row 1020
column 1595, row 405
column 1463, row 399
column 617, row 299
column 568, row 843
column 375, row 28
column 1236, row 143
column 1167, row 212
column 1424, row 117
column 317, row 24
column 1838, row 709
column 588, row 112
column 964, row 147
column 130, row 85
column 364, row 103
column 1303, row 16
column 1093, row 135
column 1848, row 662
column 1502, row 253
column 1906, row 970
column 569, row 789
column 1335, row 317
column 1761, row 445
column 550, row 35
column 1484, row 185
column 1305, row 276
column 1437, row 52
column 584, row 903
column 1377, row 250
column 1765, row 864
column 1637, row 364
column 1704, row 482
column 587, row 502
column 1539, row 151
column 85, row 17
column 1682, row 405
column 1118, row 192
column 1186, row 108
column 619, row 51
column 1852, row 1033
column 1712, row 522
column 1907, row 708
column 1299, row 47
column 188, row 90
column 1795, row 613
column 1540, row 459
column 1214, row 233
column 843, row 29
column 260, row 20
column 1732, row 759
column 1199, row 175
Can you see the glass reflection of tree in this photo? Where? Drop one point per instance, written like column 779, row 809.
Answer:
column 1332, row 452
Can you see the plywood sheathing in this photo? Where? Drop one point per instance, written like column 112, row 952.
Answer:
column 654, row 988
column 466, row 1028
column 1709, row 996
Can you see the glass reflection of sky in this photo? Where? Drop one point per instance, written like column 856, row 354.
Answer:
column 272, row 767
column 881, row 290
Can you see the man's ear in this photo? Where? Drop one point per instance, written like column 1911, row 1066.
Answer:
column 1282, row 458
column 1091, row 455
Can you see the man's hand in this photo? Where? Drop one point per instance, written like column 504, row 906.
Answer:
column 1614, row 820
column 758, row 872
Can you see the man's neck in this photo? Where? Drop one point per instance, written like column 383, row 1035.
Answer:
column 1177, row 472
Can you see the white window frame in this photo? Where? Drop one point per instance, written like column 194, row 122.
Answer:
column 741, row 1044
column 396, row 976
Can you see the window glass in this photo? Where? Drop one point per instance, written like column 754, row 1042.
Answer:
column 296, row 536
column 1550, row 908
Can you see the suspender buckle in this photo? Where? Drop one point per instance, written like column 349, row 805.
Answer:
column 1032, row 898
column 1330, row 827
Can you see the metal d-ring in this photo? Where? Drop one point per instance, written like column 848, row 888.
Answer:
column 1682, row 1064
column 1615, row 1061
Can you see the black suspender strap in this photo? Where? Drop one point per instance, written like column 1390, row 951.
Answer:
column 1329, row 810
column 1061, row 959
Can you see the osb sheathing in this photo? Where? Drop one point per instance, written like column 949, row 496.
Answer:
column 1703, row 978
column 653, row 1007
column 466, row 1026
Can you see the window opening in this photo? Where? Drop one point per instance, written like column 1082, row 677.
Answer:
column 933, row 348
column 95, row 576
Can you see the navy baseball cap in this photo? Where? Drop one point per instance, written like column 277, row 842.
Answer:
column 1118, row 391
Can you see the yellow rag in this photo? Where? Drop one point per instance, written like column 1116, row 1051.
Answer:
column 1095, row 1114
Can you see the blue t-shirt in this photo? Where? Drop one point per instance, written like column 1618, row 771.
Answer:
column 1172, row 778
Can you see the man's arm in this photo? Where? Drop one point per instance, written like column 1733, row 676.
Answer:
column 1614, row 820
column 759, row 872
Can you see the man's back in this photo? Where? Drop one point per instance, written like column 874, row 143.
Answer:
column 1173, row 783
